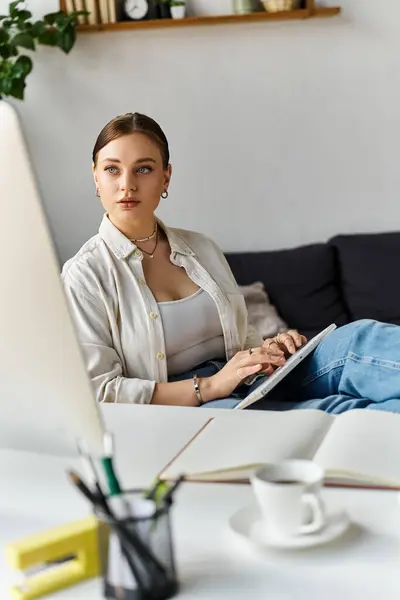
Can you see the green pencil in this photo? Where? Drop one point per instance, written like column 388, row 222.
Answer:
column 114, row 487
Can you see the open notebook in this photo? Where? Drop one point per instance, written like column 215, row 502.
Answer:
column 360, row 447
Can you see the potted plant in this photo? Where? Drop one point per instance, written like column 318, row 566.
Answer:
column 164, row 8
column 19, row 33
column 178, row 9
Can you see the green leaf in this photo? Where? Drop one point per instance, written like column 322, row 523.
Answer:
column 4, row 36
column 24, row 40
column 23, row 66
column 66, row 39
column 48, row 38
column 62, row 19
column 6, row 85
column 2, row 17
column 38, row 28
column 7, row 24
column 13, row 8
column 24, row 15
column 6, row 51
column 50, row 19
column 18, row 88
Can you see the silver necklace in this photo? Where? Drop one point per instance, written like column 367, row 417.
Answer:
column 146, row 239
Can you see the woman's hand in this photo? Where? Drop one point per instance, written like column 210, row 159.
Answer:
column 242, row 365
column 287, row 343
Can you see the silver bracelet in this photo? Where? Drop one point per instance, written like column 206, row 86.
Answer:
column 197, row 390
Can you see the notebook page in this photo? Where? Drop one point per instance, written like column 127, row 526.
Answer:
column 243, row 438
column 363, row 442
column 146, row 437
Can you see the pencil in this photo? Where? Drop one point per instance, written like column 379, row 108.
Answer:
column 168, row 495
column 128, row 538
column 82, row 487
column 120, row 505
column 107, row 462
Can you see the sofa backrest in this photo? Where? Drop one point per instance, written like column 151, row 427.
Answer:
column 370, row 275
column 350, row 277
column 301, row 282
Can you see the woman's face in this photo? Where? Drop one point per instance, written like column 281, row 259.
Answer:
column 130, row 177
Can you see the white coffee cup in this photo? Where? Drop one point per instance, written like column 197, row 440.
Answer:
column 288, row 494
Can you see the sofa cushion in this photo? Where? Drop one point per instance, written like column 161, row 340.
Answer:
column 369, row 271
column 262, row 315
column 300, row 282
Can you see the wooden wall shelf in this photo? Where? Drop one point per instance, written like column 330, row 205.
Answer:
column 214, row 20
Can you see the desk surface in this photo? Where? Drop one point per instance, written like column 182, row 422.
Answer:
column 212, row 561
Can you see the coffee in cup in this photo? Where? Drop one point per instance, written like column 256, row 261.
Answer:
column 288, row 495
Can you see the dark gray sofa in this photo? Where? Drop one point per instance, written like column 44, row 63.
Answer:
column 349, row 277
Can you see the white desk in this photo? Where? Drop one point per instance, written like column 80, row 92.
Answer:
column 213, row 563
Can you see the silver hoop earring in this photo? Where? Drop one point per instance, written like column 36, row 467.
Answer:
column 98, row 192
column 164, row 194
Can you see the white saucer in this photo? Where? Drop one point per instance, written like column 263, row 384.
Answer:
column 247, row 523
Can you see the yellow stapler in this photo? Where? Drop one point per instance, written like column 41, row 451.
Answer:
column 79, row 541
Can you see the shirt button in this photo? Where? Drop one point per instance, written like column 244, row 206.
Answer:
column 160, row 356
column 153, row 315
column 138, row 253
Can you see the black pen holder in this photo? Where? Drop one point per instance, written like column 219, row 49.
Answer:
column 139, row 561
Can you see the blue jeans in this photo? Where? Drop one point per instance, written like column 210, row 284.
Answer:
column 356, row 366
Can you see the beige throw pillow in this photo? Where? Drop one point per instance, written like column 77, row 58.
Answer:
column 263, row 315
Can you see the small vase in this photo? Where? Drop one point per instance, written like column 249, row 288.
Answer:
column 178, row 12
column 242, row 7
column 154, row 11
column 165, row 10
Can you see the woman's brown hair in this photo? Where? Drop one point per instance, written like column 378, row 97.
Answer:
column 132, row 123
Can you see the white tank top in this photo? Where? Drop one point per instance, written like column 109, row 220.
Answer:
column 192, row 331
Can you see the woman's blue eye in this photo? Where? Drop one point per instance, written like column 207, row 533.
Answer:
column 144, row 170
column 111, row 170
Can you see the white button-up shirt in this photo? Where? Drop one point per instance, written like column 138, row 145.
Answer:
column 116, row 313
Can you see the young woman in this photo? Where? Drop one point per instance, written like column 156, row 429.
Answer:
column 160, row 316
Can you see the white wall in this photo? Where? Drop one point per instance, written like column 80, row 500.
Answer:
column 281, row 134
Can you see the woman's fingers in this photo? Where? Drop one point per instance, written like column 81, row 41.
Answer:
column 269, row 356
column 272, row 348
column 259, row 360
column 265, row 355
column 292, row 340
column 278, row 361
column 268, row 371
column 287, row 342
column 244, row 372
column 297, row 337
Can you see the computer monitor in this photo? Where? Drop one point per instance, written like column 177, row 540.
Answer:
column 46, row 397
